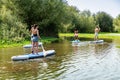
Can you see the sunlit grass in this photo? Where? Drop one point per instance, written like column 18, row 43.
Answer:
column 91, row 35
column 118, row 46
column 47, row 40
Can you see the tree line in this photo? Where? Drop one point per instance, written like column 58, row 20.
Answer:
column 52, row 16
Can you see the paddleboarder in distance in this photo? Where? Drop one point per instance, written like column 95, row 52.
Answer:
column 76, row 34
column 97, row 29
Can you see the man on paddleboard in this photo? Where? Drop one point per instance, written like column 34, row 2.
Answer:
column 97, row 29
column 76, row 34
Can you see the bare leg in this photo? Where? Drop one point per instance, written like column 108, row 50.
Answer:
column 33, row 45
column 95, row 38
column 77, row 37
column 36, row 44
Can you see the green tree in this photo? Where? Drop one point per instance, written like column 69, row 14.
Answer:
column 49, row 14
column 87, row 21
column 116, row 23
column 105, row 21
column 11, row 26
column 82, row 20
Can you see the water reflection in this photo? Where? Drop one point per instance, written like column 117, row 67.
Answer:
column 90, row 62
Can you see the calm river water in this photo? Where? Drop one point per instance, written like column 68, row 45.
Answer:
column 87, row 62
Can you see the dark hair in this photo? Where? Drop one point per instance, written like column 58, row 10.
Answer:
column 35, row 25
column 75, row 29
column 32, row 26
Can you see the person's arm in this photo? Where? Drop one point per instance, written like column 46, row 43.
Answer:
column 38, row 33
column 99, row 28
column 30, row 32
column 77, row 31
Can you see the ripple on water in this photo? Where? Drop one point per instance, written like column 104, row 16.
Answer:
column 91, row 62
column 89, row 65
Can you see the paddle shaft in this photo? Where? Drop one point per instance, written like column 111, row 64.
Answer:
column 42, row 47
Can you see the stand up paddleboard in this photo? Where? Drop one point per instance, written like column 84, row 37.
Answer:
column 75, row 41
column 79, row 43
column 30, row 45
column 33, row 56
column 97, row 42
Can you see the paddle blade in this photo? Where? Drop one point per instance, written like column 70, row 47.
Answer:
column 45, row 53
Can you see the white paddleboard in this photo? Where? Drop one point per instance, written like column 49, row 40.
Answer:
column 96, row 42
column 32, row 56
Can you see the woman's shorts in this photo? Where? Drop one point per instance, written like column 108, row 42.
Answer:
column 96, row 34
column 76, row 35
column 34, row 38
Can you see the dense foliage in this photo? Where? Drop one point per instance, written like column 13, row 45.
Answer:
column 52, row 16
column 12, row 27
column 116, row 24
column 105, row 21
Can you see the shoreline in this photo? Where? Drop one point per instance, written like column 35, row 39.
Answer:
column 91, row 35
column 45, row 40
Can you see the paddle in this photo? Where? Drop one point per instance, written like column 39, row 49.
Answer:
column 44, row 52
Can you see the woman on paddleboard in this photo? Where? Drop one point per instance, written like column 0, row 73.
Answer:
column 35, row 38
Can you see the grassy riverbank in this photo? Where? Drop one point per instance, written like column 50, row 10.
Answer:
column 88, row 35
column 45, row 40
column 115, row 36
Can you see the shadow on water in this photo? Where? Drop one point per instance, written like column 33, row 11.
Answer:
column 89, row 62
